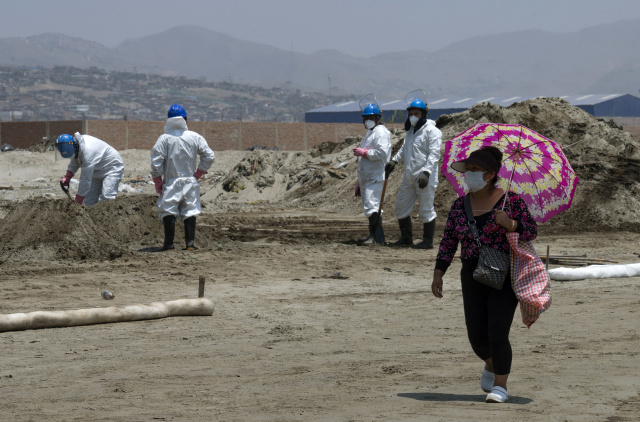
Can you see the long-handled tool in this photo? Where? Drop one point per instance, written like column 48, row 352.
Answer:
column 66, row 190
column 378, row 233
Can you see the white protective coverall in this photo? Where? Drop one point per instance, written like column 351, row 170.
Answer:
column 371, row 168
column 102, row 169
column 174, row 157
column 420, row 152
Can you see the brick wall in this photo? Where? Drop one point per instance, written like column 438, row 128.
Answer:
column 26, row 134
column 221, row 136
column 58, row 127
column 112, row 132
column 19, row 135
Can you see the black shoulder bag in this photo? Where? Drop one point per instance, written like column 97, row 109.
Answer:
column 493, row 264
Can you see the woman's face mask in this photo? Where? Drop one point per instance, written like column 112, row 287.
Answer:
column 413, row 120
column 475, row 180
column 369, row 124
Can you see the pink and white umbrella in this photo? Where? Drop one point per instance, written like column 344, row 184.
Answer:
column 533, row 166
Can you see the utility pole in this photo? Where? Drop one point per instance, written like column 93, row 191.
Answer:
column 329, row 84
column 291, row 65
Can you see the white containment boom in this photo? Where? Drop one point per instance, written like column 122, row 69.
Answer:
column 155, row 310
column 595, row 271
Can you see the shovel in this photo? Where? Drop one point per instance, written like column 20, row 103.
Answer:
column 378, row 233
column 65, row 190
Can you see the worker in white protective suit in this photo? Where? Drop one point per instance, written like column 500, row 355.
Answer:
column 175, row 171
column 373, row 154
column 102, row 167
column 420, row 153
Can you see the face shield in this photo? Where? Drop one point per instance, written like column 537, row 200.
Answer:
column 417, row 94
column 65, row 150
column 368, row 100
column 66, row 146
column 416, row 100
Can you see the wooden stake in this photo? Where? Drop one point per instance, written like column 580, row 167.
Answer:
column 547, row 267
column 201, row 287
column 579, row 259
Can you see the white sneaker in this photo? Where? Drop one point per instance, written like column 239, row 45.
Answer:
column 497, row 395
column 486, row 382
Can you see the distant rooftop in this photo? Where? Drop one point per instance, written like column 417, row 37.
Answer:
column 464, row 103
column 621, row 105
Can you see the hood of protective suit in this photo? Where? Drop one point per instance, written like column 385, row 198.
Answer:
column 175, row 126
column 79, row 145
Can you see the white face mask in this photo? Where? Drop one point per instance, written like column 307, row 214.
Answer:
column 369, row 124
column 474, row 180
column 413, row 120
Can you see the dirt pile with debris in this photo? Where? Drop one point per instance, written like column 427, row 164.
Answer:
column 323, row 178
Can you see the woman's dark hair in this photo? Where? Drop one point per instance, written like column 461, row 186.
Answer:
column 496, row 154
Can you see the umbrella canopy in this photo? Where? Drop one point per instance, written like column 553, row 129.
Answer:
column 533, row 166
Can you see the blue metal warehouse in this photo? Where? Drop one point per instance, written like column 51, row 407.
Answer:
column 599, row 105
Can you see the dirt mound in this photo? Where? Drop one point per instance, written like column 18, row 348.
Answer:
column 57, row 229
column 44, row 229
column 128, row 219
column 579, row 133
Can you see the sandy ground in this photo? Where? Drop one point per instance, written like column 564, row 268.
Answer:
column 307, row 326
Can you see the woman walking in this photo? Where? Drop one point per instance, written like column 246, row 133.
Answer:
column 488, row 312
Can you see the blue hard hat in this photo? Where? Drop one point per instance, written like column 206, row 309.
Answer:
column 177, row 110
column 371, row 110
column 419, row 104
column 65, row 144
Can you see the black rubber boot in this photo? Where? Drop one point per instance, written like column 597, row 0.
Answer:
column 169, row 232
column 190, row 233
column 406, row 232
column 427, row 237
column 374, row 220
column 368, row 239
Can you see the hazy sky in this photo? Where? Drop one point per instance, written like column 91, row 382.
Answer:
column 355, row 27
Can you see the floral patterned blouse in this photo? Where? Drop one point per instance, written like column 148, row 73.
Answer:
column 457, row 230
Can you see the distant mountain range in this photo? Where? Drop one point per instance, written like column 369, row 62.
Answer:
column 600, row 59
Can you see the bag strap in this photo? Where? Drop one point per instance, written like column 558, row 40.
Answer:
column 470, row 219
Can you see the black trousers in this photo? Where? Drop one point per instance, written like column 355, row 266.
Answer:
column 488, row 314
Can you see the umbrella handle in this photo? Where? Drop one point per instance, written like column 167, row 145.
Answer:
column 504, row 203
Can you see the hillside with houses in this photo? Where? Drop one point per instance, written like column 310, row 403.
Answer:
column 70, row 93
